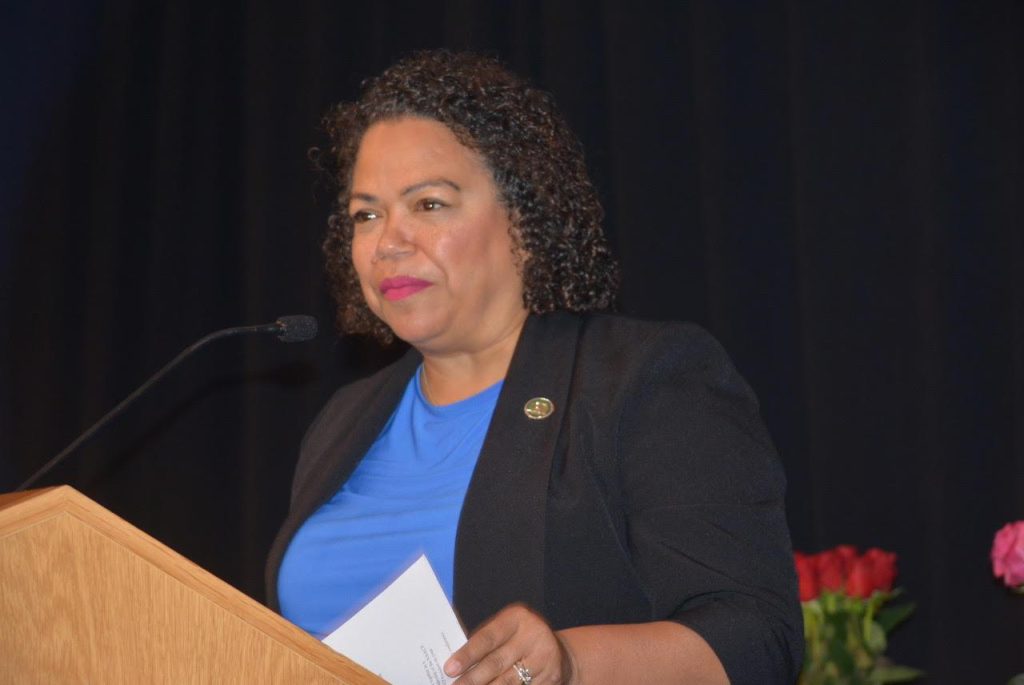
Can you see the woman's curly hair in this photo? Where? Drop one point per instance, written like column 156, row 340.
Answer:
column 536, row 161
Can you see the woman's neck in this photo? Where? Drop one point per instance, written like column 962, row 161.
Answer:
column 449, row 378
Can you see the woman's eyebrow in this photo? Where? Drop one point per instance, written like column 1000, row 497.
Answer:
column 367, row 197
column 429, row 183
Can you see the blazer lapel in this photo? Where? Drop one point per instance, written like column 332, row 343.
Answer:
column 353, row 434
column 499, row 549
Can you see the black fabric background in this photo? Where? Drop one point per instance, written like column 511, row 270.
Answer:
column 833, row 189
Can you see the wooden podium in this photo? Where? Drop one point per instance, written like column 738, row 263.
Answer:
column 85, row 597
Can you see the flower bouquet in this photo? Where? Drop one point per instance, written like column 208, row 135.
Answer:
column 1008, row 556
column 1008, row 564
column 843, row 595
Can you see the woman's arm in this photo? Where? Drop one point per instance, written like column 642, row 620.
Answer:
column 660, row 652
column 700, row 492
column 657, row 653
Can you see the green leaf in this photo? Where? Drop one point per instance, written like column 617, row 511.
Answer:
column 895, row 674
column 890, row 617
column 874, row 637
column 876, row 600
column 1017, row 679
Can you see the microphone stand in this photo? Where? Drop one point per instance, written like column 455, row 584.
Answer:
column 287, row 328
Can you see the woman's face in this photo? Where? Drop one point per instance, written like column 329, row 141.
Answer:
column 431, row 242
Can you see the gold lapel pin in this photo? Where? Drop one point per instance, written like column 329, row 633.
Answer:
column 538, row 408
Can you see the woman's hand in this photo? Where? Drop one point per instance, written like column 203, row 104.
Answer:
column 515, row 635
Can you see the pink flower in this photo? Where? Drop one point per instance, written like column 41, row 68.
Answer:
column 1008, row 554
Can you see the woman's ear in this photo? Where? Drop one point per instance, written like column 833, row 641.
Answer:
column 520, row 254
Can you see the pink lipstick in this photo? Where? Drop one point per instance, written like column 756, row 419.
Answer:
column 401, row 287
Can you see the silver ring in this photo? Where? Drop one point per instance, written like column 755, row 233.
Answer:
column 525, row 677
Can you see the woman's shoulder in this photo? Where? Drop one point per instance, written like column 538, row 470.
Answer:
column 645, row 340
column 614, row 322
column 629, row 358
column 354, row 414
column 354, row 397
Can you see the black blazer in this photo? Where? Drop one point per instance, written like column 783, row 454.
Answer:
column 651, row 492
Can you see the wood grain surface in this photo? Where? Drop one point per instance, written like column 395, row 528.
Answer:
column 87, row 598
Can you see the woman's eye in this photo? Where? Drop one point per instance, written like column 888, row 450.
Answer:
column 430, row 204
column 362, row 216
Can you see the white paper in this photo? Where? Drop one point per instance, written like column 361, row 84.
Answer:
column 406, row 633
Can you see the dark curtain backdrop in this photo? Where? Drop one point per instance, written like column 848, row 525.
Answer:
column 833, row 189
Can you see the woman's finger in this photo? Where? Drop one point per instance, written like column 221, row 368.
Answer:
column 514, row 635
column 492, row 635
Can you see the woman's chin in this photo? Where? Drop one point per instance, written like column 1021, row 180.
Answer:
column 418, row 334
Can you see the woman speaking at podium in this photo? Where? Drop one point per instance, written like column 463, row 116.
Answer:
column 597, row 494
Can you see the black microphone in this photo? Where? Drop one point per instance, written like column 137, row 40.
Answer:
column 296, row 328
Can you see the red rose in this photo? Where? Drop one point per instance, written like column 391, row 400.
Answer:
column 807, row 574
column 881, row 568
column 847, row 556
column 831, row 572
column 842, row 569
column 860, row 582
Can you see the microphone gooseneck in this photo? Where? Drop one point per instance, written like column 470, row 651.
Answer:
column 294, row 328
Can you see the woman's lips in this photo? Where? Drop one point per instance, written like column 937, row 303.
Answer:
column 400, row 287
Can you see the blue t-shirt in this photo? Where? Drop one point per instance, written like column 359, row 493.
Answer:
column 403, row 500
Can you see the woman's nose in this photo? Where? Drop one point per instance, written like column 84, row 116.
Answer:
column 395, row 239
